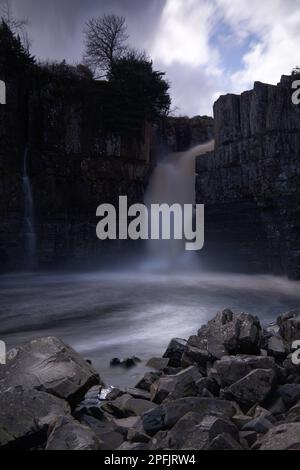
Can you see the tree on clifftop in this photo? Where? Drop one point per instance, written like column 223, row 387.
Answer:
column 105, row 41
column 13, row 55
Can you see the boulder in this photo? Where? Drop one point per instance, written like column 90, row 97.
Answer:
column 138, row 393
column 249, row 436
column 293, row 415
column 148, row 379
column 90, row 404
column 107, row 432
column 259, row 425
column 176, row 386
column 290, row 394
column 68, row 434
column 289, row 326
column 276, row 347
column 25, row 416
column 230, row 369
column 281, row 437
column 224, row 442
column 251, row 389
column 229, row 334
column 195, row 353
column 193, row 431
column 126, row 406
column 158, row 363
column 175, row 351
column 166, row 415
column 49, row 365
column 207, row 383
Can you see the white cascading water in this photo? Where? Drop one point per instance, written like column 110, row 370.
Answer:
column 29, row 224
column 173, row 181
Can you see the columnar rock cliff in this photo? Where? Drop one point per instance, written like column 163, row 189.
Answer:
column 251, row 182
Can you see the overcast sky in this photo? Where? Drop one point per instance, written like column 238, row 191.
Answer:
column 207, row 47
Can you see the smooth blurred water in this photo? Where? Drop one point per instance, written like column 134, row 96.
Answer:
column 105, row 315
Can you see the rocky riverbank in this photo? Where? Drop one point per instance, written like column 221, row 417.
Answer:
column 234, row 385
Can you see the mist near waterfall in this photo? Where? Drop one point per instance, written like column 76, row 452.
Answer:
column 173, row 182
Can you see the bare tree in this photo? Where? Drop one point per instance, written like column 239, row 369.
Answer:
column 17, row 26
column 105, row 41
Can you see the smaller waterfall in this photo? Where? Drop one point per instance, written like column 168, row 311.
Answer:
column 173, row 181
column 29, row 223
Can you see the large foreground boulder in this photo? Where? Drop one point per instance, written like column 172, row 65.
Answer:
column 175, row 351
column 251, row 389
column 230, row 369
column 49, row 365
column 165, row 416
column 25, row 416
column 229, row 334
column 68, row 434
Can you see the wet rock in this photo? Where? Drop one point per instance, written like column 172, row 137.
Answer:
column 127, row 363
column 251, row 389
column 25, row 416
column 224, row 442
column 166, row 415
column 91, row 404
column 229, row 334
column 158, row 363
column 176, row 386
column 289, row 326
column 195, row 353
column 233, row 368
column 281, row 437
column 174, row 351
column 68, row 434
column 49, row 365
column 114, row 393
column 107, row 432
column 148, row 379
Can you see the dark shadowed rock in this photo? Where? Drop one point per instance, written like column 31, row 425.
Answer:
column 281, row 437
column 133, row 446
column 249, row 436
column 293, row 415
column 208, row 383
column 224, row 442
column 166, row 415
column 175, row 351
column 25, row 416
column 251, row 389
column 233, row 368
column 289, row 326
column 176, row 386
column 68, row 434
column 148, row 379
column 290, row 394
column 107, row 432
column 49, row 365
column 195, row 353
column 230, row 333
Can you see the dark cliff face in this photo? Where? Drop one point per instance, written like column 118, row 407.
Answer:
column 251, row 183
column 78, row 157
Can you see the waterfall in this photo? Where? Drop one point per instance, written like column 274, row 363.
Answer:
column 29, row 224
column 173, row 181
